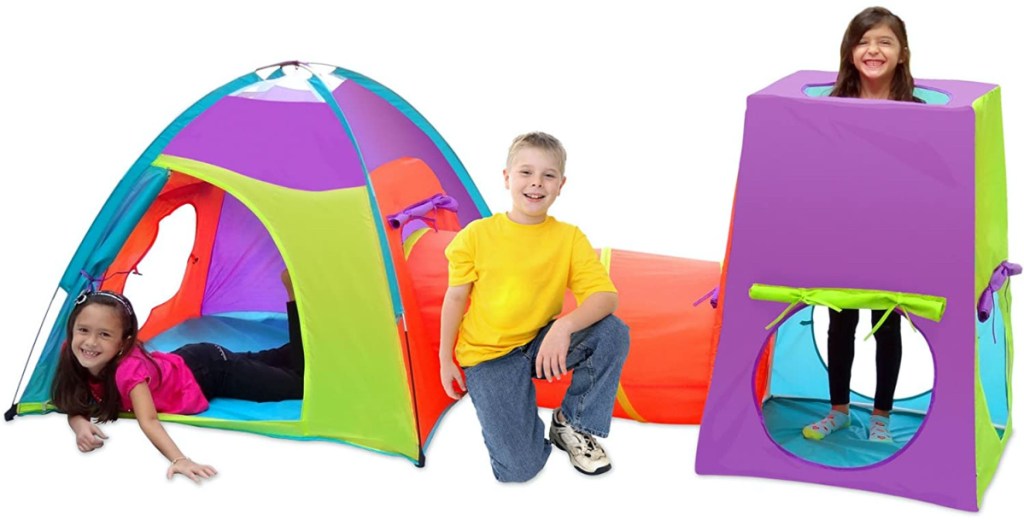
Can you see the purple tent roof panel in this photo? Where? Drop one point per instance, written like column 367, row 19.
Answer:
column 292, row 144
column 384, row 134
column 275, row 137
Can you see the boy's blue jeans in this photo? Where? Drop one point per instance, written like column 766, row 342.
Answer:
column 506, row 401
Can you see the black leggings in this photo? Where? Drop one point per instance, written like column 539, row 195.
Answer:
column 267, row 375
column 842, row 328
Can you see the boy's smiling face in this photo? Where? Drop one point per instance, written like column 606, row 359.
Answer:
column 534, row 179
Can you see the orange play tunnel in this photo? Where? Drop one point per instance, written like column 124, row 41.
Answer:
column 668, row 370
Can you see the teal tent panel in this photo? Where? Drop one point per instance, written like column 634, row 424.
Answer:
column 97, row 251
column 992, row 363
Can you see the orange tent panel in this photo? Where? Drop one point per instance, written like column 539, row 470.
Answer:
column 397, row 185
column 187, row 302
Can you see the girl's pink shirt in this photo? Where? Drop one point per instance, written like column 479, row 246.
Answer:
column 173, row 386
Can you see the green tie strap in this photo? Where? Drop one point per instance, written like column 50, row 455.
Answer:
column 923, row 305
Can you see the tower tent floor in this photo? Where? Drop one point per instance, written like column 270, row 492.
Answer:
column 784, row 419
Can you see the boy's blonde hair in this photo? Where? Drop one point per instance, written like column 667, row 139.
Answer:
column 546, row 142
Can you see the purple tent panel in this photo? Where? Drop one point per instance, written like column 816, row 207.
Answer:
column 858, row 194
column 292, row 144
column 293, row 140
column 385, row 134
column 245, row 265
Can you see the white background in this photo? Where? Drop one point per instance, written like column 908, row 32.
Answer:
column 649, row 100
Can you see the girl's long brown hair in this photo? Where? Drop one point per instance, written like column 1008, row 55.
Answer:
column 70, row 391
column 848, row 80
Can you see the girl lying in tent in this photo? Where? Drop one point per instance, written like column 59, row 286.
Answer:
column 104, row 369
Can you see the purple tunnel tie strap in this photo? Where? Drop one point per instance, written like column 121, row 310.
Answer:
column 713, row 295
column 421, row 209
column 999, row 276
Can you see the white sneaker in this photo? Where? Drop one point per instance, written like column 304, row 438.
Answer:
column 586, row 455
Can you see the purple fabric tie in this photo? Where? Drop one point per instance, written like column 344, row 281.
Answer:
column 96, row 282
column 713, row 294
column 421, row 209
column 1001, row 274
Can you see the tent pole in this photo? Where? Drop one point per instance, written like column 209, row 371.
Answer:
column 9, row 415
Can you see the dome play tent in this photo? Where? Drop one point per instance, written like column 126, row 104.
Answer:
column 850, row 203
column 277, row 165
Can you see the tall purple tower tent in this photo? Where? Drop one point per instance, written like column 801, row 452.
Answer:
column 851, row 203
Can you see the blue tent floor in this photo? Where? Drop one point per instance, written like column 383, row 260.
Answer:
column 240, row 334
column 784, row 419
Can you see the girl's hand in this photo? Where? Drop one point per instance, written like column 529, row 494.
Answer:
column 149, row 421
column 88, row 436
column 190, row 469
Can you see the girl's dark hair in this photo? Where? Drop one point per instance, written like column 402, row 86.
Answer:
column 70, row 391
column 848, row 80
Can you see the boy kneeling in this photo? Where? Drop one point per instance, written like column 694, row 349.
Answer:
column 513, row 268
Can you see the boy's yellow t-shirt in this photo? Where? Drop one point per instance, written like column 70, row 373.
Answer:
column 519, row 275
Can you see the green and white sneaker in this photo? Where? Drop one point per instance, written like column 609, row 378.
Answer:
column 586, row 455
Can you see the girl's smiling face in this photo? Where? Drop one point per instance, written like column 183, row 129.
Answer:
column 97, row 337
column 878, row 54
